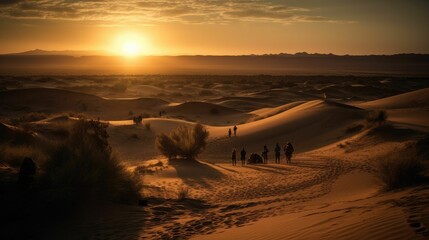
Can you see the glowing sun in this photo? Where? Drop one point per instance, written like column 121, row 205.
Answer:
column 130, row 48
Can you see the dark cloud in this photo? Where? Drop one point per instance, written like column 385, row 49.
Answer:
column 152, row 11
column 10, row 2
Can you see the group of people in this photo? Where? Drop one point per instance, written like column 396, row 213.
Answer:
column 235, row 131
column 242, row 157
column 288, row 150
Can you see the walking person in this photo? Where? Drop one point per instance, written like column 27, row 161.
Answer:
column 243, row 157
column 288, row 152
column 229, row 132
column 277, row 151
column 234, row 157
column 235, row 130
column 265, row 154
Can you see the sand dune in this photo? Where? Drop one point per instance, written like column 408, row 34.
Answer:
column 328, row 192
column 308, row 126
column 296, row 124
column 207, row 113
column 48, row 100
column 411, row 108
column 414, row 99
column 267, row 112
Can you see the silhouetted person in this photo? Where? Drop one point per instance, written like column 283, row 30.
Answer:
column 234, row 157
column 229, row 132
column 288, row 152
column 160, row 113
column 265, row 154
column 235, row 130
column 26, row 172
column 243, row 157
column 277, row 150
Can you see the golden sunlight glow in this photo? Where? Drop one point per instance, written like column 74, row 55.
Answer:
column 130, row 44
column 130, row 48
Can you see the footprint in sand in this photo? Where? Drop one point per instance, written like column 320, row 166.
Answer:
column 414, row 221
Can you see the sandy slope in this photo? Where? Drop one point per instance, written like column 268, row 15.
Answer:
column 411, row 108
column 18, row 102
column 414, row 99
column 207, row 113
column 297, row 124
column 328, row 193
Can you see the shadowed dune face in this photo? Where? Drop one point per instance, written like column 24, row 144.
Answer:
column 62, row 101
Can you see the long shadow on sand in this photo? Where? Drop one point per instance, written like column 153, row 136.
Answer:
column 227, row 169
column 193, row 172
column 266, row 168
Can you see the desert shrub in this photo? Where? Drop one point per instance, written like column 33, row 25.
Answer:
column 138, row 119
column 147, row 126
column 183, row 193
column 376, row 118
column 183, row 142
column 400, row 170
column 84, row 168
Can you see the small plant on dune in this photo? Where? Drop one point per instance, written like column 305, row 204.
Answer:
column 400, row 170
column 376, row 118
column 183, row 193
column 183, row 142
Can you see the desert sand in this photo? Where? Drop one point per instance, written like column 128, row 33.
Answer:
column 329, row 191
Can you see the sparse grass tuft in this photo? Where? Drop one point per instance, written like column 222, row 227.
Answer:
column 376, row 118
column 400, row 170
column 183, row 193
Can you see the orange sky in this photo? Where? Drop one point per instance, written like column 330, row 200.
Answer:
column 216, row 27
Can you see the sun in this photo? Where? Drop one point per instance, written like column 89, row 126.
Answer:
column 130, row 48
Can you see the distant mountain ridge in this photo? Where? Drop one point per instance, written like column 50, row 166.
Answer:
column 81, row 53
column 74, row 53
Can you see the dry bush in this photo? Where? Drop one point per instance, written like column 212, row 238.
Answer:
column 376, row 118
column 183, row 193
column 183, row 142
column 83, row 168
column 400, row 170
